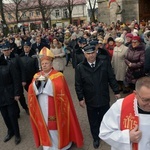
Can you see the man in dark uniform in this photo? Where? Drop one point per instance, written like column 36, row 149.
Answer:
column 9, row 94
column 30, row 63
column 92, row 79
column 82, row 42
column 15, row 59
column 101, row 52
column 39, row 44
column 74, row 46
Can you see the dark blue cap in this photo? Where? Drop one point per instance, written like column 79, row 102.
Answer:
column 89, row 49
column 82, row 40
column 27, row 44
column 5, row 46
column 93, row 42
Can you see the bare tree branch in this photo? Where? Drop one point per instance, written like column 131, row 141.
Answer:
column 70, row 4
column 3, row 21
column 46, row 7
column 92, row 9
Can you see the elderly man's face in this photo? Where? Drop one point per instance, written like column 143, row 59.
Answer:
column 7, row 52
column 38, row 39
column 91, row 57
column 46, row 65
column 143, row 98
column 26, row 49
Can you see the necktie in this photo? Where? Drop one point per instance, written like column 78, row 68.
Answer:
column 27, row 56
column 92, row 65
column 7, row 57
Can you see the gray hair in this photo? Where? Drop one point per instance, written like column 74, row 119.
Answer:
column 119, row 39
column 144, row 81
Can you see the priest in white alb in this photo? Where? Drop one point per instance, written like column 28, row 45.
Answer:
column 126, row 124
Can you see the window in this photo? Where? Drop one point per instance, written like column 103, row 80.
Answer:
column 65, row 13
column 37, row 13
column 31, row 13
column 24, row 15
column 9, row 16
column 57, row 13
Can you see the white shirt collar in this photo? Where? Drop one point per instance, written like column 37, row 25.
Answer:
column 92, row 63
column 7, row 57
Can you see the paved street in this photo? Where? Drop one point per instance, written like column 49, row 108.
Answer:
column 27, row 142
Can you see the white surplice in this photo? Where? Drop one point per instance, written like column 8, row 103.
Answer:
column 45, row 90
column 119, row 140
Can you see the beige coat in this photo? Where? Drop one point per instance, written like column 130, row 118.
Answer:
column 58, row 62
column 118, row 62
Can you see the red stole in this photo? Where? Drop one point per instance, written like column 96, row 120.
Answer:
column 52, row 125
column 128, row 119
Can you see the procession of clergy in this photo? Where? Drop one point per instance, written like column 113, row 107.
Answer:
column 38, row 68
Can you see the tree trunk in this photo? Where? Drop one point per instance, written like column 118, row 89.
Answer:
column 92, row 9
column 93, row 16
column 50, row 22
column 44, row 20
column 4, row 24
column 16, row 14
column 70, row 17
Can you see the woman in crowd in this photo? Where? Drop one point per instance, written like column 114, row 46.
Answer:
column 135, row 61
column 118, row 63
column 67, row 36
column 57, row 49
column 128, row 39
column 110, row 46
column 18, row 42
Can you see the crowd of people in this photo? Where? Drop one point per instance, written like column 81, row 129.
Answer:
column 115, row 55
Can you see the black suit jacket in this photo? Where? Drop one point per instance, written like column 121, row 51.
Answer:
column 9, row 83
column 92, row 84
column 39, row 46
column 15, row 59
column 30, row 64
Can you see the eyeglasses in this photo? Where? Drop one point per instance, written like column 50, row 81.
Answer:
column 144, row 100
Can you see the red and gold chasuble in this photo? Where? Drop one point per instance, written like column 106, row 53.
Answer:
column 128, row 118
column 64, row 115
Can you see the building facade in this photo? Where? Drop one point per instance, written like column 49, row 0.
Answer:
column 30, row 17
column 60, row 16
column 123, row 10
